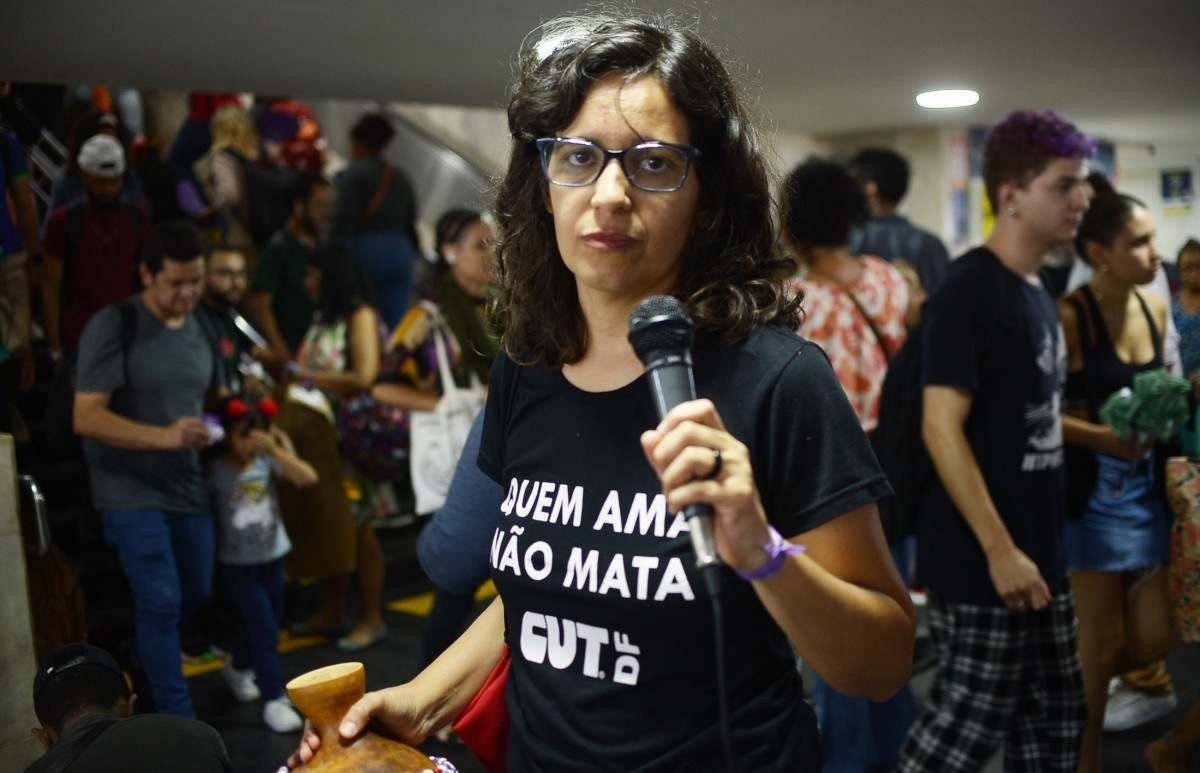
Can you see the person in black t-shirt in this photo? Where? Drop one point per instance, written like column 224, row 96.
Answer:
column 990, row 545
column 82, row 698
column 610, row 634
column 219, row 307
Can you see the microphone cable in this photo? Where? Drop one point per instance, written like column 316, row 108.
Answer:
column 712, row 584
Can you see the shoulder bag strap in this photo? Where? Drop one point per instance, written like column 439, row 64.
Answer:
column 385, row 183
column 879, row 339
column 1155, row 338
column 127, row 309
column 438, row 330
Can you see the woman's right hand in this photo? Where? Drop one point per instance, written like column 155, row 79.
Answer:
column 394, row 710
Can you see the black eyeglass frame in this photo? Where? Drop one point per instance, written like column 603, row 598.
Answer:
column 546, row 144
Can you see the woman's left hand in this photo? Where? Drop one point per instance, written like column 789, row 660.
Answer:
column 683, row 451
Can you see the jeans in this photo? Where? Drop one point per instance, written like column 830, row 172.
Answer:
column 387, row 258
column 858, row 735
column 256, row 591
column 168, row 559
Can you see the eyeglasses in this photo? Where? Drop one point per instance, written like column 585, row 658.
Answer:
column 658, row 167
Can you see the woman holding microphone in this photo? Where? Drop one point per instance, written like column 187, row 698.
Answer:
column 636, row 172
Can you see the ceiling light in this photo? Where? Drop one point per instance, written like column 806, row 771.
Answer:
column 936, row 100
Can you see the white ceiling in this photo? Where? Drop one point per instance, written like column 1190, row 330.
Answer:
column 1126, row 70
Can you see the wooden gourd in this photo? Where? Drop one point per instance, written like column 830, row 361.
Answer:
column 324, row 696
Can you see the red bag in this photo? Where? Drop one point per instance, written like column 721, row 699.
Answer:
column 483, row 724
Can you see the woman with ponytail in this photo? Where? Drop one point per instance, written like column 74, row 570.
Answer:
column 1117, row 546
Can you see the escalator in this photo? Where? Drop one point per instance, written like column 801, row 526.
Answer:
column 442, row 176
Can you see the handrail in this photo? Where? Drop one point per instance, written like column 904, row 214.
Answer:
column 42, row 156
column 49, row 139
column 40, row 521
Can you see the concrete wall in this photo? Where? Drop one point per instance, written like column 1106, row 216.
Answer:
column 477, row 133
column 1138, row 173
column 18, row 747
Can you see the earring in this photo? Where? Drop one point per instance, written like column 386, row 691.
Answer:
column 1011, row 211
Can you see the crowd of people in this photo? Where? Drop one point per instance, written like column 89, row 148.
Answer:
column 242, row 372
column 224, row 381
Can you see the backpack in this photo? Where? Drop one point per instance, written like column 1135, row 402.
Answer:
column 897, row 439
column 268, row 200
column 60, row 400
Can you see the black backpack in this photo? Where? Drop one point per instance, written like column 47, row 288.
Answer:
column 60, row 400
column 268, row 201
column 897, row 439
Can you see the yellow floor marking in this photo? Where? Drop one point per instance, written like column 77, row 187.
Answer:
column 418, row 606
column 196, row 669
column 289, row 643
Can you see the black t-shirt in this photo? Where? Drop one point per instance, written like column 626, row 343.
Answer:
column 610, row 630
column 994, row 334
column 144, row 742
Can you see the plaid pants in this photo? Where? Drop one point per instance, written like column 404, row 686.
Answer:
column 1004, row 678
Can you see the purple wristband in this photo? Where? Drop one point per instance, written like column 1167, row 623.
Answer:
column 777, row 550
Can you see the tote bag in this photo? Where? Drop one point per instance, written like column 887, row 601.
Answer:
column 437, row 437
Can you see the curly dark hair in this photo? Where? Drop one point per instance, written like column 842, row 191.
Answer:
column 821, row 203
column 374, row 131
column 886, row 168
column 731, row 278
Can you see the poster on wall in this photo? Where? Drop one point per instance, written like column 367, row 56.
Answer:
column 1176, row 191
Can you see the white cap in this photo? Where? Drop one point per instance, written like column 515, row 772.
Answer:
column 102, row 156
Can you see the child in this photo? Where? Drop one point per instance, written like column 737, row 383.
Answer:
column 251, row 544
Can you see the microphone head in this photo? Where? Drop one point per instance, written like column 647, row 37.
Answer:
column 660, row 323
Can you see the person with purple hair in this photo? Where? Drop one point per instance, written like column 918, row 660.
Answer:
column 990, row 544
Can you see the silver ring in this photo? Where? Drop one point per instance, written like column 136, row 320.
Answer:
column 718, row 462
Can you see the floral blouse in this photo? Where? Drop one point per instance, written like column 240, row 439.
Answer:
column 832, row 321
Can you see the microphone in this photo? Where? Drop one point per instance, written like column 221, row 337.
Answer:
column 661, row 333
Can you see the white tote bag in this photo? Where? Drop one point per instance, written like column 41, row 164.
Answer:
column 437, row 437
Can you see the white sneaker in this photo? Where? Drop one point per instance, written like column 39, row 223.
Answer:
column 1128, row 708
column 281, row 717
column 241, row 683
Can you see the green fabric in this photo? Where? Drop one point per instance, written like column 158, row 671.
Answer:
column 1156, row 406
column 464, row 315
column 281, row 268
